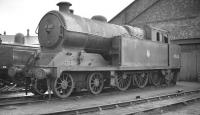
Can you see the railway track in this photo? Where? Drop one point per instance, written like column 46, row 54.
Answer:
column 11, row 89
column 135, row 106
column 22, row 100
column 123, row 106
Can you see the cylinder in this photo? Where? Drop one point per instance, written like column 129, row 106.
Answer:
column 12, row 71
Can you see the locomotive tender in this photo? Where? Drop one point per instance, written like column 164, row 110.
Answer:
column 79, row 53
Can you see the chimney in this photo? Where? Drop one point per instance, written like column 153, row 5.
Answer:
column 64, row 7
column 28, row 33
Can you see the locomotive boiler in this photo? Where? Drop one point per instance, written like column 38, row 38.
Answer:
column 79, row 53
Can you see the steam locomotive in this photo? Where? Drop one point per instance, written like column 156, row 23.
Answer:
column 79, row 53
column 15, row 54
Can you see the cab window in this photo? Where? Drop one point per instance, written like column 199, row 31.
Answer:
column 158, row 36
column 165, row 39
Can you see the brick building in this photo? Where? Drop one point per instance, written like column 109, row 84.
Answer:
column 180, row 17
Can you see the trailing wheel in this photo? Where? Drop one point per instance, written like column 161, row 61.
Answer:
column 169, row 77
column 176, row 74
column 141, row 79
column 39, row 86
column 63, row 86
column 95, row 82
column 123, row 81
column 155, row 78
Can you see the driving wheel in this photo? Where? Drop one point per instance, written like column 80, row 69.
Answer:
column 63, row 86
column 95, row 82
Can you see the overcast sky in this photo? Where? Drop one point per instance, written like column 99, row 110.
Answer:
column 19, row 15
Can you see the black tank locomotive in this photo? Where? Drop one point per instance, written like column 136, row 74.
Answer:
column 79, row 53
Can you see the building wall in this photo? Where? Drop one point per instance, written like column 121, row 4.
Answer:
column 150, row 11
column 132, row 11
column 190, row 62
column 180, row 17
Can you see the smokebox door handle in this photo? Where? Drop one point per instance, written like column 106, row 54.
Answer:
column 49, row 27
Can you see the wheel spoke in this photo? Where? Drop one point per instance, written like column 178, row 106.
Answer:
column 94, row 88
column 92, row 83
column 59, row 86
